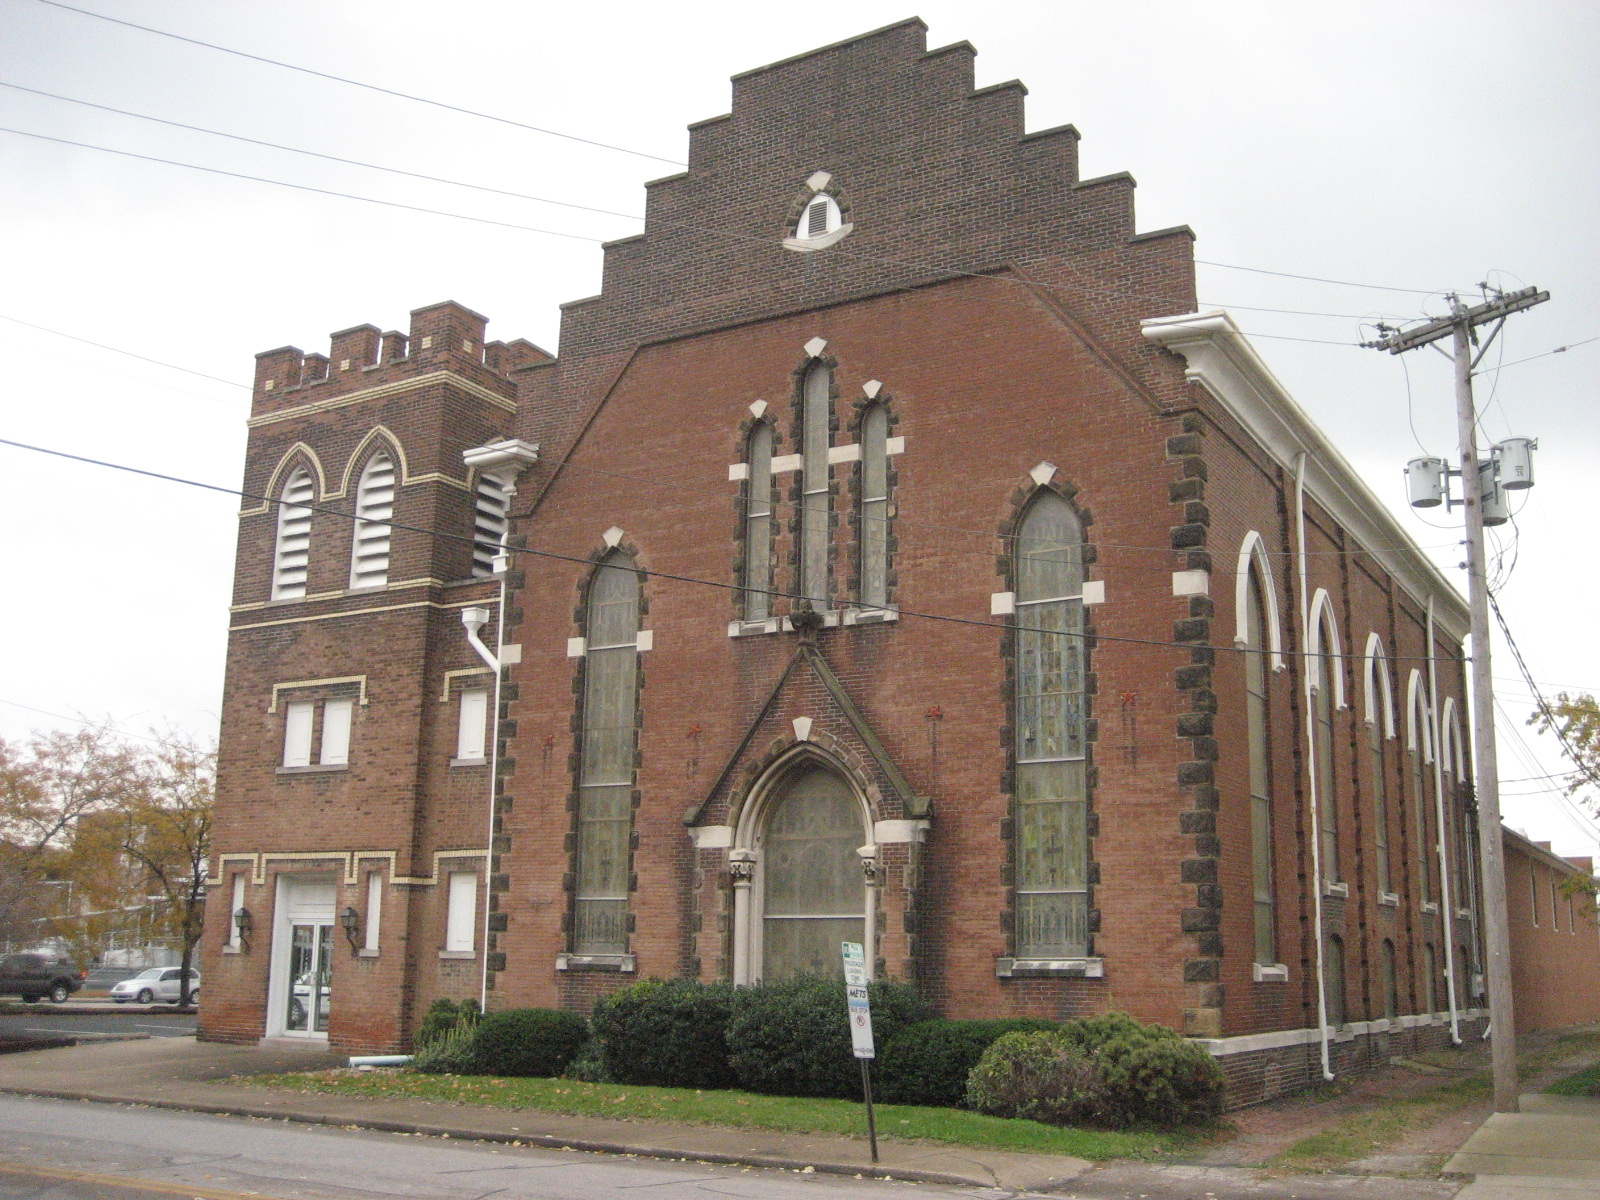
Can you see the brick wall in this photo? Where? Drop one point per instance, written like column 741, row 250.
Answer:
column 1555, row 942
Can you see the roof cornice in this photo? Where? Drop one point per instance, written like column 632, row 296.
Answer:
column 1220, row 359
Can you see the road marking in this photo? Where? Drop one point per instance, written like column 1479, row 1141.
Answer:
column 131, row 1182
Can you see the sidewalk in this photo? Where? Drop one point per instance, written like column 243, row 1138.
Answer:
column 1550, row 1150
column 181, row 1073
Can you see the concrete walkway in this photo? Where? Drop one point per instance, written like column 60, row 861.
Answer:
column 1550, row 1150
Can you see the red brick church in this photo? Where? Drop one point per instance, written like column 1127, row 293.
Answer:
column 891, row 554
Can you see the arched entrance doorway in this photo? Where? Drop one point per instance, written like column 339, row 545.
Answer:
column 807, row 892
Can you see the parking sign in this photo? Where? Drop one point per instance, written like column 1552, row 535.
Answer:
column 859, row 1008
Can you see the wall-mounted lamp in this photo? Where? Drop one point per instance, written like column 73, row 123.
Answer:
column 242, row 925
column 350, row 919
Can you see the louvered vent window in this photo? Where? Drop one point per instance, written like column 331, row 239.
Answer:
column 369, row 559
column 820, row 218
column 489, row 523
column 294, row 537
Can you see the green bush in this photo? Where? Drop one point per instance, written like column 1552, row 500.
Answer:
column 448, row 1053
column 1039, row 1076
column 928, row 1063
column 444, row 1015
column 793, row 1039
column 590, row 1064
column 667, row 1033
column 1160, row 1081
column 1091, row 1034
column 527, row 1041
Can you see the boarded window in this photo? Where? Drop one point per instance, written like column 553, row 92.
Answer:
column 758, row 525
column 336, row 715
column 1052, row 889
column 1422, row 796
column 1258, row 718
column 816, row 411
column 369, row 554
column 814, row 893
column 1391, row 984
column 374, row 911
column 1333, row 979
column 875, row 507
column 472, row 728
column 462, row 911
column 297, row 720
column 605, row 783
column 293, row 554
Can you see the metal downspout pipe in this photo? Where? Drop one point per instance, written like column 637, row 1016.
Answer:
column 1311, row 758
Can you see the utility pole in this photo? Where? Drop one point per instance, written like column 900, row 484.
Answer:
column 1461, row 326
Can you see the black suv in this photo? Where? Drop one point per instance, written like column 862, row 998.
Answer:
column 33, row 976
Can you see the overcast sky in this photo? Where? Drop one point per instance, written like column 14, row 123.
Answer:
column 1420, row 146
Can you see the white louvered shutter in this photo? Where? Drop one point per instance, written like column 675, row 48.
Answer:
column 489, row 524
column 294, row 537
column 336, row 733
column 369, row 558
column 470, row 734
column 297, row 720
column 461, row 914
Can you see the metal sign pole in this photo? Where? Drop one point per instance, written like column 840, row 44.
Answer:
column 859, row 1008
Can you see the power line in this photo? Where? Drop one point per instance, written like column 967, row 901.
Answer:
column 371, row 87
column 838, row 251
column 1546, row 354
column 301, row 187
column 589, row 563
column 84, row 721
column 1380, row 287
column 118, row 350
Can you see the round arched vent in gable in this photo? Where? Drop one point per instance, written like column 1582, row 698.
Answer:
column 820, row 221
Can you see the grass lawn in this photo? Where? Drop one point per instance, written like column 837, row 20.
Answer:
column 737, row 1110
column 1584, row 1083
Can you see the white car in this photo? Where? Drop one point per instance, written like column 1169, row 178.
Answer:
column 158, row 983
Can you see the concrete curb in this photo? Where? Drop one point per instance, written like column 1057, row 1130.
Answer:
column 548, row 1141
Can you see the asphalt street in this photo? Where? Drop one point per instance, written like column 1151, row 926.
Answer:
column 73, row 1150
column 41, row 1019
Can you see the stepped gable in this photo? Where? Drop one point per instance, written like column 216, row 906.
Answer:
column 935, row 176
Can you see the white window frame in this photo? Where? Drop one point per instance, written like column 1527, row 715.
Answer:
column 291, row 555
column 371, row 541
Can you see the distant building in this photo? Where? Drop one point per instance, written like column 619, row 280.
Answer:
column 1555, row 940
column 906, row 561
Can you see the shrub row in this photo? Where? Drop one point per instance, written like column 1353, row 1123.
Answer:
column 792, row 1039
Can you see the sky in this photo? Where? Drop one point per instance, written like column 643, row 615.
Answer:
column 1410, row 148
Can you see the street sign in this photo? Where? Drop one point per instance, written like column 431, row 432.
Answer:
column 860, row 1009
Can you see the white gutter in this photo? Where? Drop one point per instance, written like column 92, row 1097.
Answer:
column 1446, row 903
column 1311, row 756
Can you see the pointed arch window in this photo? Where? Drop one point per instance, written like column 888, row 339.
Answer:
column 369, row 554
column 816, row 411
column 1257, row 682
column 606, row 760
column 1322, row 702
column 1051, row 787
column 758, row 525
column 292, row 557
column 1422, row 795
column 875, row 507
column 1380, row 723
column 491, row 508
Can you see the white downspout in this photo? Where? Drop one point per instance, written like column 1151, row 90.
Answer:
column 1447, row 923
column 1311, row 757
column 475, row 619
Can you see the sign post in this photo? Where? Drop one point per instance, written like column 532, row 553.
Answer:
column 860, row 1010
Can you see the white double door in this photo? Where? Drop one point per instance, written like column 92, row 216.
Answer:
column 300, row 997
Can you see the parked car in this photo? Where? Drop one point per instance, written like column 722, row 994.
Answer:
column 158, row 983
column 34, row 976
